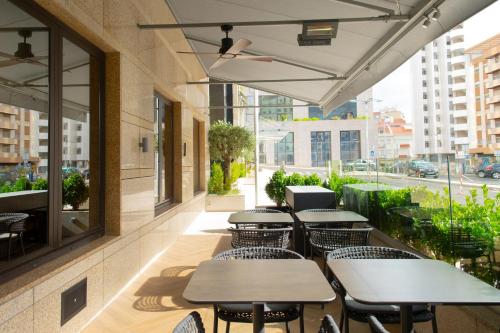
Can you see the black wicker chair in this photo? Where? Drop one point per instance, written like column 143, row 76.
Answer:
column 387, row 314
column 376, row 326
column 243, row 313
column 192, row 323
column 260, row 237
column 328, row 325
column 324, row 240
column 13, row 226
column 259, row 211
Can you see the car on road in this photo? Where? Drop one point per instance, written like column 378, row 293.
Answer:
column 361, row 165
column 490, row 170
column 422, row 169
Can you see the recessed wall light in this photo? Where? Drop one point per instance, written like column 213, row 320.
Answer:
column 426, row 23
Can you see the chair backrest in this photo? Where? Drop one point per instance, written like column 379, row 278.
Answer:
column 260, row 237
column 13, row 222
column 331, row 239
column 192, row 323
column 257, row 253
column 328, row 325
column 370, row 252
column 262, row 210
column 376, row 326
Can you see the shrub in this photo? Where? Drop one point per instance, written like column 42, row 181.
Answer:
column 312, row 179
column 22, row 184
column 6, row 187
column 216, row 182
column 75, row 190
column 336, row 184
column 40, row 184
column 243, row 170
column 275, row 189
column 235, row 172
column 295, row 179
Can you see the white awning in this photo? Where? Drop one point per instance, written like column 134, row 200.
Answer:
column 363, row 52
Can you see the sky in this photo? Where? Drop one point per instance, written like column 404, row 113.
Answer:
column 395, row 89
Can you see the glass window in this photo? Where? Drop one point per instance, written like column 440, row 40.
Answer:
column 276, row 108
column 283, row 150
column 350, row 146
column 164, row 150
column 320, row 148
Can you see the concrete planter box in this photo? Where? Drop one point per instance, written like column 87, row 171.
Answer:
column 225, row 203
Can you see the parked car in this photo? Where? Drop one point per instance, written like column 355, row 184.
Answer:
column 361, row 165
column 491, row 170
column 67, row 171
column 422, row 169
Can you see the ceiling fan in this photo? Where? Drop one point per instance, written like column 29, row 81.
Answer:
column 231, row 51
column 23, row 54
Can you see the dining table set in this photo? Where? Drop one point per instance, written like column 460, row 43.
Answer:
column 266, row 277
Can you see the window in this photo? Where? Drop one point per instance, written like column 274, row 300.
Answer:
column 164, row 152
column 320, row 148
column 198, row 134
column 350, row 145
column 69, row 97
column 424, row 95
column 436, row 80
column 426, row 144
column 424, row 83
column 283, row 150
column 426, row 131
column 438, row 105
column 426, row 120
column 436, row 93
column 436, row 68
column 275, row 107
column 262, row 153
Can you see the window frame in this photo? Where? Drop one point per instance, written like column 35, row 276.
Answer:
column 56, row 246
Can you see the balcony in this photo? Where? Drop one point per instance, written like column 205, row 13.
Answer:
column 8, row 141
column 458, row 73
column 493, row 115
column 8, row 124
column 457, row 59
column 493, row 100
column 493, row 84
column 464, row 140
column 492, row 131
column 492, row 67
column 459, row 113
column 459, row 100
column 458, row 86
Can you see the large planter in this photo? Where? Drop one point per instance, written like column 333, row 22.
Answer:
column 224, row 203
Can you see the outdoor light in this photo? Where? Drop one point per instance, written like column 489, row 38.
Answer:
column 426, row 23
column 317, row 33
column 435, row 14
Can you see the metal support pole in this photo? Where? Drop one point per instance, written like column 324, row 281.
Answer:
column 256, row 133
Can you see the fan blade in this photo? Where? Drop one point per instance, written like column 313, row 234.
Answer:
column 10, row 62
column 238, row 46
column 219, row 62
column 32, row 62
column 186, row 52
column 255, row 58
column 39, row 58
column 6, row 55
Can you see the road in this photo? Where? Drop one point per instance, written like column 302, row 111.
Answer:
column 458, row 189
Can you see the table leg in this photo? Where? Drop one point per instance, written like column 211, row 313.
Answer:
column 406, row 318
column 258, row 318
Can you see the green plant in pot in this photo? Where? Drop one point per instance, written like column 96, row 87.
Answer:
column 275, row 189
column 75, row 190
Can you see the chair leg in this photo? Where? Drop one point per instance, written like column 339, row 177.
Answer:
column 228, row 326
column 287, row 327
column 341, row 322
column 216, row 319
column 346, row 323
column 10, row 248
column 434, row 320
column 22, row 242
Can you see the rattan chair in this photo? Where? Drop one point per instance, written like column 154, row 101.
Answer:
column 260, row 237
column 192, row 323
column 387, row 314
column 259, row 211
column 243, row 313
column 13, row 226
column 324, row 240
column 376, row 326
column 328, row 325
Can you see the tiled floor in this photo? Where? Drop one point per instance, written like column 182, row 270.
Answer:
column 153, row 303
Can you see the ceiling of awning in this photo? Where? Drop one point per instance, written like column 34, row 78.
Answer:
column 363, row 52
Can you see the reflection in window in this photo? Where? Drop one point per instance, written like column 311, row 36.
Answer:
column 283, row 150
column 320, row 148
column 276, row 108
column 350, row 146
column 164, row 150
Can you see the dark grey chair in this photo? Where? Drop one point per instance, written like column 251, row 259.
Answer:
column 13, row 226
column 324, row 240
column 243, row 313
column 376, row 326
column 192, row 323
column 328, row 325
column 387, row 314
column 260, row 237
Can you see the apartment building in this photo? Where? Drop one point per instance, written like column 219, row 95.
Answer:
column 394, row 134
column 483, row 62
column 439, row 98
column 292, row 132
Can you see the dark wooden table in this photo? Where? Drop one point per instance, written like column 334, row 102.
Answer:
column 406, row 282
column 290, row 281
column 259, row 218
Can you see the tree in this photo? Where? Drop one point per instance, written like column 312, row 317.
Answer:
column 227, row 143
